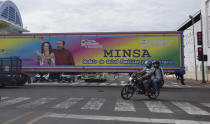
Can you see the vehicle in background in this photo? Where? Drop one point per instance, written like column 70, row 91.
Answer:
column 54, row 77
column 67, row 78
column 96, row 76
column 41, row 77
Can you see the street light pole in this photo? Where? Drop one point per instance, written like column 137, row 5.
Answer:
column 192, row 19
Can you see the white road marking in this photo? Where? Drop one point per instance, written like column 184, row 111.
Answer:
column 206, row 104
column 84, row 84
column 173, row 83
column 103, row 84
column 3, row 98
column 157, row 107
column 68, row 103
column 125, row 119
column 122, row 83
column 113, row 84
column 94, row 104
column 76, row 83
column 13, row 101
column 93, row 84
column 166, row 85
column 36, row 103
column 122, row 105
column 186, row 86
column 190, row 109
column 176, row 85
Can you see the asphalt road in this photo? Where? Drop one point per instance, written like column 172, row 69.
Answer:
column 63, row 104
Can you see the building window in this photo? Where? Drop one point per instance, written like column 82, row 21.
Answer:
column 5, row 13
column 18, row 19
column 11, row 14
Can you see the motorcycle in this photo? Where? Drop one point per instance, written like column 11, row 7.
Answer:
column 135, row 85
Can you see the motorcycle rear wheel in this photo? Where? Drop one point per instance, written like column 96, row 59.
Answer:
column 154, row 94
column 127, row 92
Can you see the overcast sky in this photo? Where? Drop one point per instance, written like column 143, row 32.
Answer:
column 50, row 16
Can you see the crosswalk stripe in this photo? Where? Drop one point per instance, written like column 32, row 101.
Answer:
column 74, row 84
column 187, row 86
column 122, row 83
column 166, row 85
column 122, row 105
column 94, row 104
column 36, row 103
column 206, row 104
column 84, row 84
column 3, row 98
column 113, row 84
column 103, row 84
column 93, row 84
column 13, row 101
column 175, row 85
column 68, row 103
column 190, row 109
column 157, row 107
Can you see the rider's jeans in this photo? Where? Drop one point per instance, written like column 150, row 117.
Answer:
column 155, row 81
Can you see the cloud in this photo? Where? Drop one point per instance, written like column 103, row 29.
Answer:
column 108, row 15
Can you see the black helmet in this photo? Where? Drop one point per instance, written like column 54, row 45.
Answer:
column 148, row 64
column 156, row 63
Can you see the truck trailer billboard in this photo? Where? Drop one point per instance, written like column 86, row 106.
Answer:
column 76, row 52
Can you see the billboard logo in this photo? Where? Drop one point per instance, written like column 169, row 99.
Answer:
column 145, row 43
column 90, row 44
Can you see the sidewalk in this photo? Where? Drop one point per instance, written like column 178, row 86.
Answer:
column 190, row 82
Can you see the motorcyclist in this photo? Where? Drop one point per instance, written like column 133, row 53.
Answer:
column 157, row 75
column 146, row 74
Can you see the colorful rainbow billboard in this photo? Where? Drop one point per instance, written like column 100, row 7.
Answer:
column 112, row 52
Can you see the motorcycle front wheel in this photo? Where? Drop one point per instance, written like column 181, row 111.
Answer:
column 127, row 92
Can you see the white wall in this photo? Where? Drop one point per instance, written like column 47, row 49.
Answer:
column 205, row 11
column 189, row 53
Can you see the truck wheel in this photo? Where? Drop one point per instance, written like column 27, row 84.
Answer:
column 87, row 80
column 73, row 80
column 29, row 80
column 21, row 82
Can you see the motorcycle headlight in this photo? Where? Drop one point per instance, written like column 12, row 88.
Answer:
column 130, row 79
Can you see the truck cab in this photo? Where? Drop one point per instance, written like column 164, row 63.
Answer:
column 11, row 72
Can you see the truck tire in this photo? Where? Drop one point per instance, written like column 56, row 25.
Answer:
column 22, row 81
column 87, row 80
column 21, row 84
column 29, row 80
